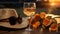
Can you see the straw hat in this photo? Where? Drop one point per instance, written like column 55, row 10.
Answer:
column 7, row 13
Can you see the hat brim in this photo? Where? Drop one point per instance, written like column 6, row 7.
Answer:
column 24, row 24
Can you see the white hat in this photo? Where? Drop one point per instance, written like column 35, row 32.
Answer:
column 6, row 13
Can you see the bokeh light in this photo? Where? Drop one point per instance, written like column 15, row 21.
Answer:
column 54, row 2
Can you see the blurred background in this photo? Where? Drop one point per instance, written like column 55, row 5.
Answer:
column 48, row 6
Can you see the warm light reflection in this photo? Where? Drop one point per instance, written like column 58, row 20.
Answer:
column 53, row 16
column 54, row 2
